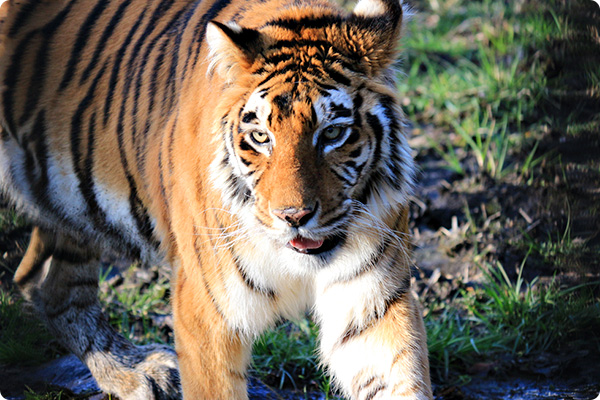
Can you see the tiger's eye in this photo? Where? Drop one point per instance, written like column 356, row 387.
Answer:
column 260, row 137
column 333, row 132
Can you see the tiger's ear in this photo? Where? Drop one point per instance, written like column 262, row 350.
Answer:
column 374, row 31
column 232, row 47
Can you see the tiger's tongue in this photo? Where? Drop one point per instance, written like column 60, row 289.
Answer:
column 306, row 244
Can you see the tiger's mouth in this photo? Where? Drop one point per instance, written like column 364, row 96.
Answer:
column 309, row 246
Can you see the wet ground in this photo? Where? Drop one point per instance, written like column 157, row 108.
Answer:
column 73, row 378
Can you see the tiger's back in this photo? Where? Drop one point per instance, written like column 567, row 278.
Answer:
column 256, row 147
column 87, row 90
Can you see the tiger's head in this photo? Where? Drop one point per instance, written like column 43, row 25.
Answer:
column 312, row 133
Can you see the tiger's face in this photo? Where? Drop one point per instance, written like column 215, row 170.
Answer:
column 303, row 157
column 316, row 140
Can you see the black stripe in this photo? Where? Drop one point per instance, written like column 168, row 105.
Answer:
column 278, row 58
column 371, row 395
column 137, row 208
column 81, row 41
column 340, row 111
column 25, row 12
column 117, row 66
column 356, row 152
column 350, row 165
column 88, row 192
column 377, row 128
column 76, row 136
column 357, row 104
column 158, row 13
column 10, row 82
column 39, row 182
column 249, row 117
column 277, row 73
column 338, row 76
column 153, row 86
column 375, row 180
column 283, row 103
column 247, row 163
column 300, row 24
column 161, row 176
column 340, row 176
column 141, row 65
column 294, row 44
column 83, row 166
column 38, row 77
column 157, row 392
column 170, row 95
column 251, row 284
column 395, row 297
column 103, row 41
column 397, row 179
column 324, row 87
column 200, row 29
column 353, row 331
column 340, row 217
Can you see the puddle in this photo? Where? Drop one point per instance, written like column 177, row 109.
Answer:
column 527, row 389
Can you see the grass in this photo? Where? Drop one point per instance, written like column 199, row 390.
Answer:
column 134, row 303
column 23, row 339
column 507, row 318
column 469, row 72
column 285, row 356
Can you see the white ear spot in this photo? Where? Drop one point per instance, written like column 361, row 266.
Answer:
column 369, row 8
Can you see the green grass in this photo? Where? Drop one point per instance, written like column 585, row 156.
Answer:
column 508, row 318
column 23, row 339
column 469, row 72
column 132, row 306
column 285, row 356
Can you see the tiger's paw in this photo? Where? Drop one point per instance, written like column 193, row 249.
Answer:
column 151, row 374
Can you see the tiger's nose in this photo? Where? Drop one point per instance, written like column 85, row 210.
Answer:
column 295, row 217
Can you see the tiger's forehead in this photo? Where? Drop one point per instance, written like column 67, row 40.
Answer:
column 319, row 107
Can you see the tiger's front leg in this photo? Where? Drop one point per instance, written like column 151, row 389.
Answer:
column 60, row 279
column 374, row 343
column 212, row 357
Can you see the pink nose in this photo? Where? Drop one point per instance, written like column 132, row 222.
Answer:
column 293, row 216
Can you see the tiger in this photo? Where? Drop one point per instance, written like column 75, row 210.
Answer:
column 255, row 148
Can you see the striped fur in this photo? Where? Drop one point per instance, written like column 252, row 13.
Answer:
column 256, row 147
